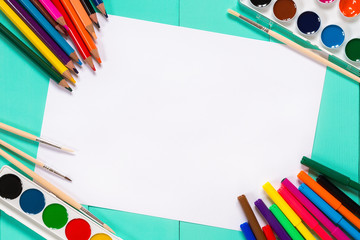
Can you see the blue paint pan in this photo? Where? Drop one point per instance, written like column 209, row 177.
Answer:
column 332, row 36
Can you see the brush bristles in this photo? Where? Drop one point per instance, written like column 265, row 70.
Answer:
column 67, row 149
column 232, row 12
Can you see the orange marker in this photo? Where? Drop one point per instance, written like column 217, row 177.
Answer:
column 81, row 29
column 330, row 199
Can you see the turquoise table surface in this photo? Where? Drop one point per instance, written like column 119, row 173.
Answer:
column 23, row 92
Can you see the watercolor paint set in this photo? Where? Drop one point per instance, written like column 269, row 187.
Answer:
column 41, row 211
column 331, row 26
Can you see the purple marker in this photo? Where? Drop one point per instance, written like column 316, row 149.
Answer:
column 273, row 222
column 335, row 231
column 40, row 32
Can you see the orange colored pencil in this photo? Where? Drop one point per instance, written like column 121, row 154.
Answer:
column 81, row 29
column 85, row 19
column 330, row 199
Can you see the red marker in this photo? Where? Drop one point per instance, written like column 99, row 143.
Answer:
column 268, row 233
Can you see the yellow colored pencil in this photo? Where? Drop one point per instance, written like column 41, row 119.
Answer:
column 31, row 36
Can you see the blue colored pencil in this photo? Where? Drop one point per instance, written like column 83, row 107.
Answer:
column 100, row 5
column 50, row 30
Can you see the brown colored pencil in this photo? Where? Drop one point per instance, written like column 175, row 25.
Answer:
column 48, row 17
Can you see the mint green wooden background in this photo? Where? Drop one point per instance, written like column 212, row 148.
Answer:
column 23, row 92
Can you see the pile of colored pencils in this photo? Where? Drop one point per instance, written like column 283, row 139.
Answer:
column 45, row 23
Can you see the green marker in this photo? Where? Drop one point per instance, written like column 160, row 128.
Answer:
column 289, row 228
column 334, row 175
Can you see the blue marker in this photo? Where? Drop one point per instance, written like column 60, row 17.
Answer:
column 329, row 211
column 50, row 29
column 245, row 228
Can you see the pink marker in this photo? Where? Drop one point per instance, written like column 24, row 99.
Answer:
column 54, row 12
column 303, row 213
column 296, row 194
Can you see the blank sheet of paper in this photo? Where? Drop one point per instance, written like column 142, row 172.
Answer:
column 177, row 122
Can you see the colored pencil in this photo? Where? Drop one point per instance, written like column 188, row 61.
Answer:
column 36, row 28
column 334, row 230
column 91, row 12
column 250, row 216
column 33, row 160
column 330, row 173
column 51, row 188
column 339, row 195
column 100, row 5
column 50, row 30
column 54, row 12
column 309, row 53
column 330, row 199
column 43, row 49
column 85, row 19
column 45, row 66
column 32, row 137
column 48, row 17
column 81, row 29
column 75, row 37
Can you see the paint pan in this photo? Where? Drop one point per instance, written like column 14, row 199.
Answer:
column 260, row 3
column 308, row 22
column 332, row 36
column 352, row 49
column 349, row 8
column 284, row 10
column 44, row 213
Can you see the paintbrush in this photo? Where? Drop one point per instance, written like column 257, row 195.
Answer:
column 32, row 137
column 34, row 160
column 51, row 188
column 296, row 46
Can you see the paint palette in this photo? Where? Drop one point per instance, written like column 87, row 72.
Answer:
column 329, row 25
column 41, row 211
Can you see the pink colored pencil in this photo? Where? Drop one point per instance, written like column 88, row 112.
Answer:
column 54, row 12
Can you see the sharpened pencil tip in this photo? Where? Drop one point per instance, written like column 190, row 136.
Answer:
column 97, row 25
column 76, row 71
column 93, row 68
column 69, row 88
column 99, row 60
column 106, row 15
column 79, row 62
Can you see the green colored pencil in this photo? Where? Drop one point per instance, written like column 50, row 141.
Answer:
column 32, row 55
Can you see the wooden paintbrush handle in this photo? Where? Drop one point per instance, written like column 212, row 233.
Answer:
column 312, row 55
column 17, row 132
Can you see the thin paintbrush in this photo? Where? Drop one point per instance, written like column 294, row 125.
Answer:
column 51, row 188
column 296, row 46
column 32, row 137
column 31, row 159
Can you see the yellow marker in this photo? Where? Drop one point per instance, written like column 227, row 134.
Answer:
column 30, row 35
column 287, row 210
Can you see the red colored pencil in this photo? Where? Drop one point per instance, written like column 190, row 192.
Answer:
column 75, row 37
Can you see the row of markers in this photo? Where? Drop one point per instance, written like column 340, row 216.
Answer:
column 45, row 23
column 327, row 211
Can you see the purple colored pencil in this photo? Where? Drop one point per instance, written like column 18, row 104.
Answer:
column 271, row 219
column 334, row 230
column 40, row 32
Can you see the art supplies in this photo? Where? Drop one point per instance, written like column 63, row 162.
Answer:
column 85, row 19
column 48, row 186
column 334, row 230
column 330, row 26
column 34, row 57
column 288, row 211
column 330, row 173
column 297, row 47
column 32, row 137
column 329, row 211
column 280, row 216
column 254, row 224
column 338, row 194
column 169, row 55
column 303, row 214
column 35, row 41
column 75, row 37
column 30, row 158
column 272, row 221
column 46, row 39
column 330, row 199
column 41, row 211
column 100, row 5
column 246, row 229
column 48, row 17
column 268, row 233
column 91, row 12
column 56, row 15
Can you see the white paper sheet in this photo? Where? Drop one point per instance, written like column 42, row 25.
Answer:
column 178, row 122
